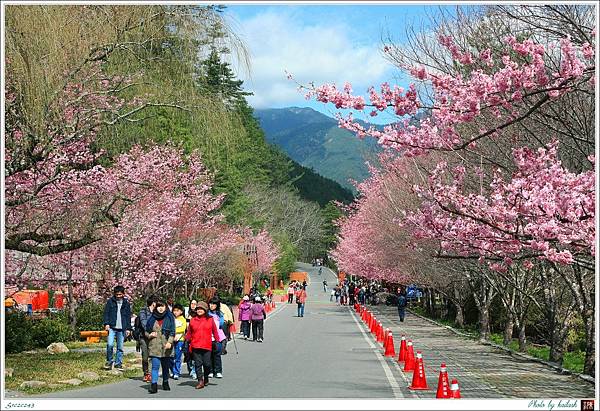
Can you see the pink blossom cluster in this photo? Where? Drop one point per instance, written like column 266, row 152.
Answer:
column 148, row 219
column 460, row 99
column 541, row 211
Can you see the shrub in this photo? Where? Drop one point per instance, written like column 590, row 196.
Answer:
column 89, row 316
column 46, row 331
column 17, row 336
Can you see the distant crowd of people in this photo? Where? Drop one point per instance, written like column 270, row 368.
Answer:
column 364, row 292
column 170, row 335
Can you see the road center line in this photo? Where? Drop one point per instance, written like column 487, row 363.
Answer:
column 386, row 369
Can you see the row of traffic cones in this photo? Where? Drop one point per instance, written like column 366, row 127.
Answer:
column 412, row 363
column 269, row 307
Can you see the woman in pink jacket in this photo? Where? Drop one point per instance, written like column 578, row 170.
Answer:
column 245, row 316
column 258, row 315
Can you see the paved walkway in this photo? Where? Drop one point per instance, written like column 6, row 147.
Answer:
column 329, row 354
column 482, row 371
column 322, row 355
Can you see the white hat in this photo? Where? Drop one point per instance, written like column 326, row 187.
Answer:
column 257, row 298
column 246, row 298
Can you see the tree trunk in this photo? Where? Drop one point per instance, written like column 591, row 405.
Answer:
column 589, row 366
column 557, row 347
column 508, row 329
column 72, row 306
column 484, row 321
column 522, row 337
column 431, row 303
column 459, row 320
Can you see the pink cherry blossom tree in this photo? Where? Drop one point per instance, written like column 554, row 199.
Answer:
column 533, row 207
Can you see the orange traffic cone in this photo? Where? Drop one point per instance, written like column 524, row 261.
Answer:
column 402, row 352
column 390, row 351
column 372, row 324
column 380, row 332
column 419, row 381
column 375, row 327
column 455, row 391
column 385, row 337
column 443, row 389
column 409, row 357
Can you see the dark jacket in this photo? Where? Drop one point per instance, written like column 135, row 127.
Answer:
column 110, row 313
column 401, row 301
column 145, row 315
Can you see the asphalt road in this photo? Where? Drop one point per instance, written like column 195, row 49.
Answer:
column 321, row 355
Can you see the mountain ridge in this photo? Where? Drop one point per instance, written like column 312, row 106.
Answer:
column 315, row 141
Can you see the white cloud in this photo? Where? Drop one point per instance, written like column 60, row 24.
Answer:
column 317, row 53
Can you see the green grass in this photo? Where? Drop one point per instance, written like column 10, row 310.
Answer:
column 102, row 344
column 572, row 360
column 53, row 368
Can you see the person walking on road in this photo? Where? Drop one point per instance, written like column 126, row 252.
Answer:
column 324, row 286
column 402, row 301
column 217, row 349
column 351, row 300
column 228, row 321
column 245, row 316
column 300, row 301
column 338, row 293
column 191, row 313
column 117, row 321
column 258, row 316
column 200, row 333
column 178, row 341
column 141, row 322
column 290, row 293
column 320, row 270
column 160, row 331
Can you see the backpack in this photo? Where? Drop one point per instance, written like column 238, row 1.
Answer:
column 138, row 330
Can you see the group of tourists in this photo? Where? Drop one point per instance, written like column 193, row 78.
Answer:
column 344, row 292
column 169, row 335
column 349, row 293
column 297, row 289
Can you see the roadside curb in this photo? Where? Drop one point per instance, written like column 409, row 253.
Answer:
column 555, row 366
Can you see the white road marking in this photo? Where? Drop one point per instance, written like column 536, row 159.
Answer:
column 382, row 360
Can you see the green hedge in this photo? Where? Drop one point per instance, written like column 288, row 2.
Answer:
column 23, row 333
column 89, row 316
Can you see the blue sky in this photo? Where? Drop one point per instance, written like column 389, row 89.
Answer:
column 319, row 43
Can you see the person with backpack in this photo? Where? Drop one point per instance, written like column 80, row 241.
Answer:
column 117, row 321
column 160, row 331
column 301, row 300
column 139, row 334
column 402, row 302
